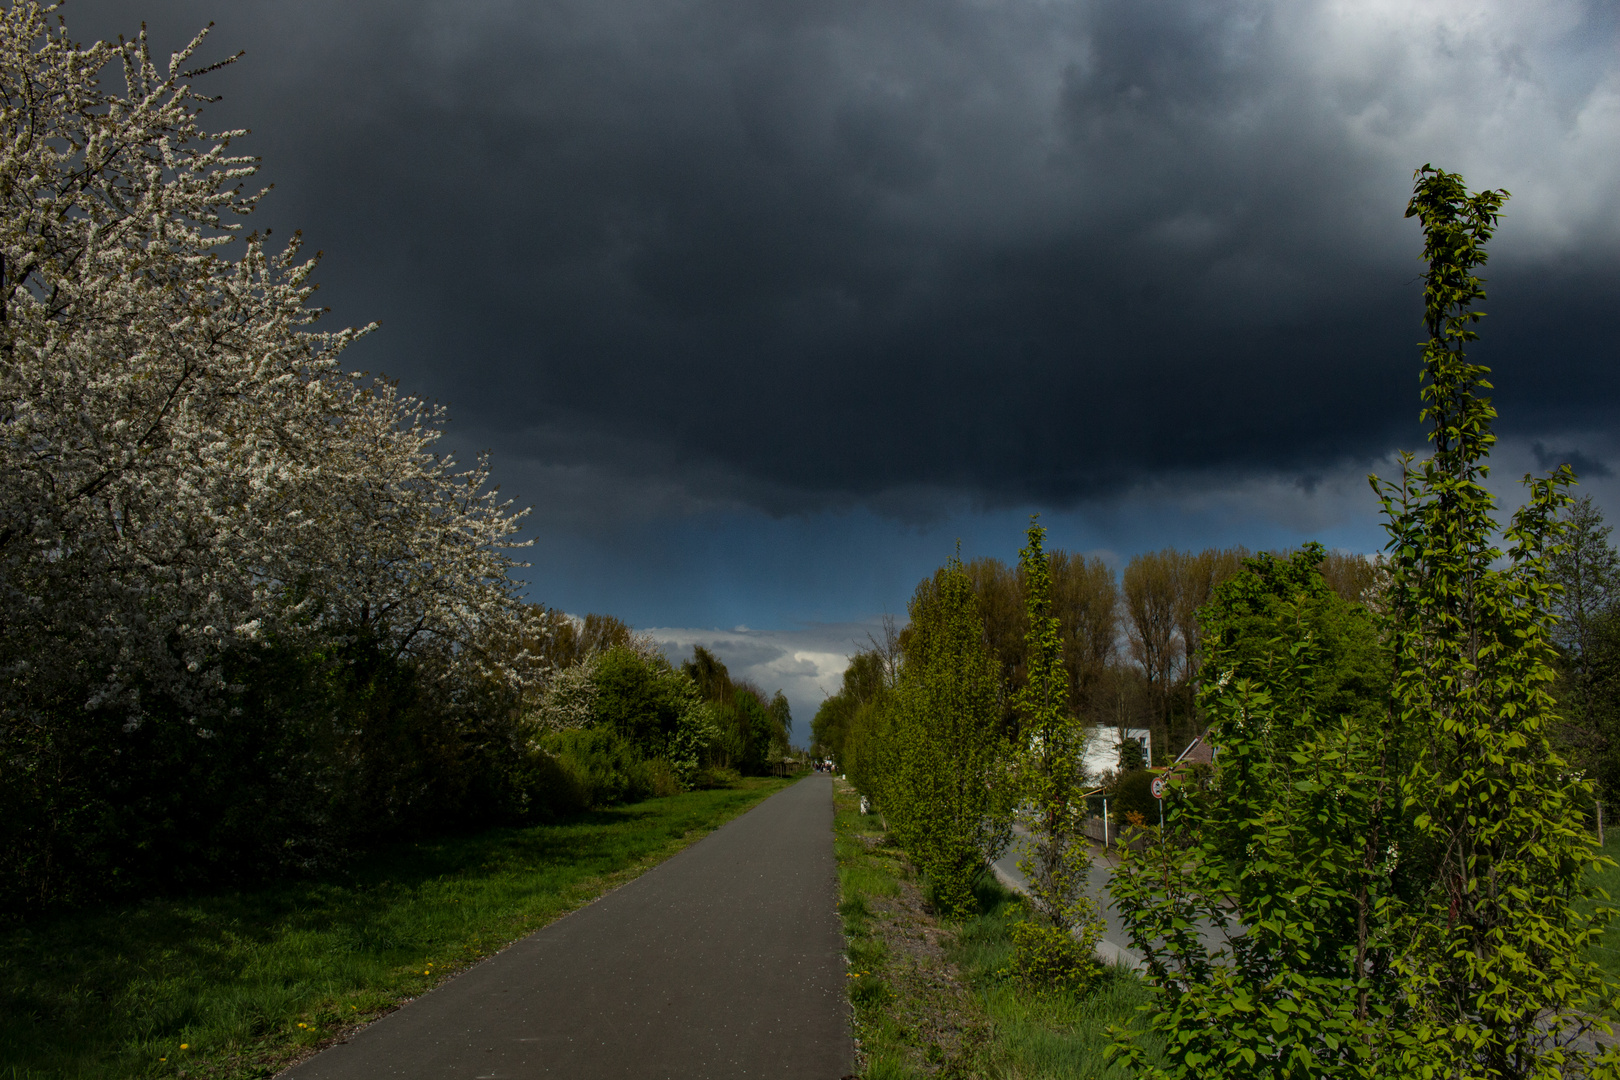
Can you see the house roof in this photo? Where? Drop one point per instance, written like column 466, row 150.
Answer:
column 1198, row 752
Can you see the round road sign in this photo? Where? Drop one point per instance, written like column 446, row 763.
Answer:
column 1161, row 784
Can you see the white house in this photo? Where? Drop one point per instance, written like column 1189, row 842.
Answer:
column 1102, row 749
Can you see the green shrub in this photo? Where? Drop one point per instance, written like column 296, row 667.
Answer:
column 716, row 776
column 324, row 752
column 547, row 788
column 601, row 762
column 943, row 756
column 1407, row 869
column 1133, row 794
column 657, row 777
column 1047, row 957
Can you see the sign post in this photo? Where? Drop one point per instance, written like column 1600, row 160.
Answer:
column 1161, row 786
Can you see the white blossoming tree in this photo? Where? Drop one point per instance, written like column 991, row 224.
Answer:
column 186, row 473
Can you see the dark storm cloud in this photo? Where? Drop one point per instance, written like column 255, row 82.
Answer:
column 799, row 254
column 1582, row 464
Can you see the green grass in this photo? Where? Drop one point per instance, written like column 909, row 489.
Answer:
column 1606, row 954
column 249, row 981
column 1019, row 1033
column 864, row 873
column 1040, row 1034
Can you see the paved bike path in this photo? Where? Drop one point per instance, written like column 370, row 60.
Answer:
column 724, row 961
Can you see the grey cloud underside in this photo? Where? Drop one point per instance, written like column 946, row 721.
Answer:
column 808, row 252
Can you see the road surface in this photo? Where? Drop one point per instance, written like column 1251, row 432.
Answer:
column 725, row 961
column 1115, row 945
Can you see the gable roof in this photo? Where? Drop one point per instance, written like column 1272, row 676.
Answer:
column 1198, row 752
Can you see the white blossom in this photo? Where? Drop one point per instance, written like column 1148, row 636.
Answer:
column 569, row 700
column 184, row 466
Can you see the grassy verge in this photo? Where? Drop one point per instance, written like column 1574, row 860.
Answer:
column 240, row 985
column 933, row 999
column 1606, row 954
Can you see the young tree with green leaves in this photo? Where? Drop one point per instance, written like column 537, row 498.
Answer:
column 1276, row 844
column 1053, row 747
column 1492, row 959
column 945, row 786
column 1406, row 888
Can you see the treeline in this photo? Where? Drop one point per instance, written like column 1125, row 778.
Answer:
column 944, row 708
column 1130, row 643
column 1391, row 833
column 251, row 620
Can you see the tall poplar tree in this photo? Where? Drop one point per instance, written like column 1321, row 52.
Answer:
column 1053, row 747
column 946, row 760
column 1493, row 945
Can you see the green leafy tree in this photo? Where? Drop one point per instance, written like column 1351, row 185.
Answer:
column 1132, row 758
column 1053, row 756
column 945, row 788
column 781, row 715
column 653, row 711
column 750, row 730
column 708, row 673
column 1275, row 600
column 867, row 757
column 753, row 729
column 695, row 733
column 1493, row 957
column 641, row 697
column 1405, row 886
column 864, row 679
column 1587, row 569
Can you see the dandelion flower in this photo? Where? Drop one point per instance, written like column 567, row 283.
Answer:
column 185, row 1046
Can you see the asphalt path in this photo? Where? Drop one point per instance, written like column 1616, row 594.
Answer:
column 724, row 961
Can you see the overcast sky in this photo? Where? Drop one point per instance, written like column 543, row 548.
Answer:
column 763, row 305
